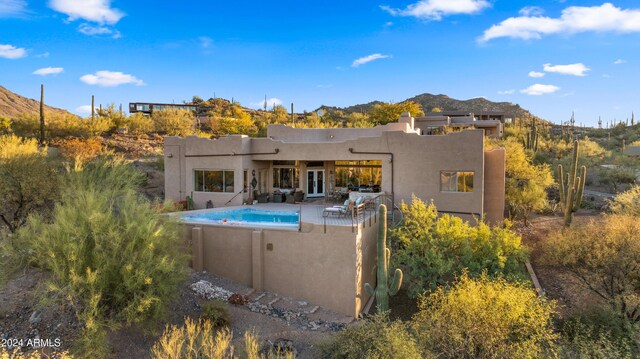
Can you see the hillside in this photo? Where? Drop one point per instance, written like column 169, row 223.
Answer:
column 13, row 105
column 446, row 103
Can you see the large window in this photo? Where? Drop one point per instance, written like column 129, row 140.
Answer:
column 284, row 177
column 214, row 181
column 358, row 173
column 456, row 181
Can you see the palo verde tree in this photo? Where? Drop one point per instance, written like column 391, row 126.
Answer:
column 384, row 113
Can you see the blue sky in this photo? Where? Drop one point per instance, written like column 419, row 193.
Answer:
column 552, row 58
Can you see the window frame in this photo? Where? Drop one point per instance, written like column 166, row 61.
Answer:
column 223, row 177
column 464, row 175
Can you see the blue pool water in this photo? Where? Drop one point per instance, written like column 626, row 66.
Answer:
column 246, row 216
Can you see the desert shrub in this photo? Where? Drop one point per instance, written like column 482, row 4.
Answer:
column 17, row 354
column 376, row 338
column 136, row 123
column 5, row 125
column 597, row 333
column 28, row 180
column 216, row 312
column 81, row 150
column 97, row 126
column 616, row 177
column 199, row 340
column 56, row 125
column 173, row 122
column 604, row 255
column 108, row 251
column 485, row 318
column 627, row 202
column 434, row 250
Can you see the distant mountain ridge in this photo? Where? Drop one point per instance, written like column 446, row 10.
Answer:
column 13, row 105
column 446, row 103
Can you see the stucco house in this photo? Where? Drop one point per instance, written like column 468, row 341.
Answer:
column 332, row 257
column 399, row 159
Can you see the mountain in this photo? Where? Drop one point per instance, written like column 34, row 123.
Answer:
column 446, row 103
column 12, row 105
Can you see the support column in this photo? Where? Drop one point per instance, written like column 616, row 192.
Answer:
column 257, row 256
column 197, row 249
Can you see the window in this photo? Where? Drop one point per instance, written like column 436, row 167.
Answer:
column 452, row 181
column 285, row 178
column 354, row 174
column 213, row 181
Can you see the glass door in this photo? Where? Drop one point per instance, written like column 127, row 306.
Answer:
column 315, row 183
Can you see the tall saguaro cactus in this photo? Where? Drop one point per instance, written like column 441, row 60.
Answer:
column 41, row 114
column 572, row 190
column 383, row 289
column 531, row 140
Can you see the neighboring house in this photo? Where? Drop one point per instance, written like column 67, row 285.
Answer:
column 435, row 122
column 400, row 159
column 148, row 108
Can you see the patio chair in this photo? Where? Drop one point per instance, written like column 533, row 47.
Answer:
column 338, row 210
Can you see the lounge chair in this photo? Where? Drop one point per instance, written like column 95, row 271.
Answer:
column 338, row 210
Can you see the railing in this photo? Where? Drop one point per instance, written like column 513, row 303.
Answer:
column 236, row 195
column 370, row 207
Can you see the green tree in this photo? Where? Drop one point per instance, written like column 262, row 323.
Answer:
column 435, row 250
column 384, row 113
column 486, row 318
column 28, row 180
column 526, row 183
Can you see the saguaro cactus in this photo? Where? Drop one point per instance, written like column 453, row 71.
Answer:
column 531, row 140
column 41, row 114
column 383, row 290
column 572, row 190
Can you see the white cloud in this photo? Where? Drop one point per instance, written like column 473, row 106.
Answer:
column 436, row 9
column 506, row 92
column 270, row 103
column 11, row 52
column 574, row 19
column 531, row 11
column 85, row 109
column 536, row 74
column 98, row 11
column 44, row 54
column 110, row 79
column 10, row 8
column 48, row 71
column 578, row 69
column 367, row 59
column 539, row 89
column 619, row 62
column 98, row 31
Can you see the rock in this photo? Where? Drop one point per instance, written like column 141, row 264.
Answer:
column 209, row 291
column 302, row 303
column 35, row 318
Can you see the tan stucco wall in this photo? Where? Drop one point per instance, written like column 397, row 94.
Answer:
column 417, row 162
column 494, row 185
column 327, row 269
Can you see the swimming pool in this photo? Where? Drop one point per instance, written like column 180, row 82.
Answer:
column 246, row 217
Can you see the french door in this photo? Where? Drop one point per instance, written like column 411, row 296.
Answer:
column 315, row 183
